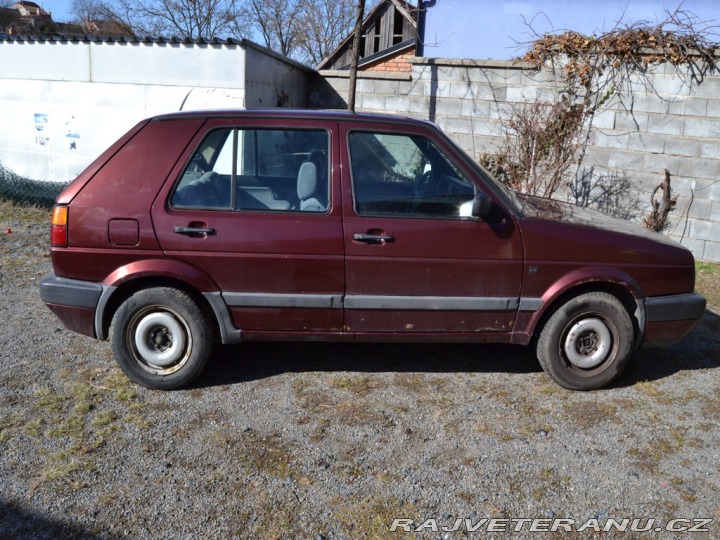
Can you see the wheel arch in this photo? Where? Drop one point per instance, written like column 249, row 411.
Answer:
column 624, row 288
column 126, row 281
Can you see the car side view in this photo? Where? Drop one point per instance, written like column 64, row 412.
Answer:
column 233, row 226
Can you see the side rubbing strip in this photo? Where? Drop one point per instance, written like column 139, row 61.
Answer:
column 414, row 303
column 441, row 303
column 530, row 304
column 324, row 301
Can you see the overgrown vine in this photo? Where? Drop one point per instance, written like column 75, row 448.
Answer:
column 543, row 140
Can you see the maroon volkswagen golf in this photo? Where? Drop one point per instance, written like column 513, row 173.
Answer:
column 265, row 225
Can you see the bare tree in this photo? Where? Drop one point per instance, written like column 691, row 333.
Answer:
column 7, row 15
column 278, row 22
column 187, row 18
column 323, row 24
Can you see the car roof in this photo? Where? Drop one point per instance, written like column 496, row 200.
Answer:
column 299, row 114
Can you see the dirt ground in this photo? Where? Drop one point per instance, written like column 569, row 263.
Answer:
column 334, row 441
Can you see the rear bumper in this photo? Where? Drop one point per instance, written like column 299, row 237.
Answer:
column 73, row 301
column 670, row 318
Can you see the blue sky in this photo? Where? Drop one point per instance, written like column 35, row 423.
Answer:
column 486, row 28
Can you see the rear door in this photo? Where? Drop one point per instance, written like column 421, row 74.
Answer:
column 416, row 261
column 255, row 207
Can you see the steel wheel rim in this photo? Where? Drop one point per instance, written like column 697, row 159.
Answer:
column 588, row 343
column 161, row 340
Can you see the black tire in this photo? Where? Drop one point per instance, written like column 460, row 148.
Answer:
column 586, row 342
column 161, row 338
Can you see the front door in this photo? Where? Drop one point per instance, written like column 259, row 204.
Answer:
column 416, row 259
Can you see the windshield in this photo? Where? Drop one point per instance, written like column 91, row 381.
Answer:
column 493, row 183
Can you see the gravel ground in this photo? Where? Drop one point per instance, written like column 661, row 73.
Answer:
column 335, row 440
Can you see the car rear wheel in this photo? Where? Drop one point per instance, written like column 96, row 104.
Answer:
column 161, row 338
column 586, row 342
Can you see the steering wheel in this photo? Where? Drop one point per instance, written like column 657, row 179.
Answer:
column 422, row 186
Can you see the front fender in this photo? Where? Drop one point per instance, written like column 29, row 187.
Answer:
column 584, row 277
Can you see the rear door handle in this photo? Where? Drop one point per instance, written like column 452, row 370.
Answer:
column 193, row 230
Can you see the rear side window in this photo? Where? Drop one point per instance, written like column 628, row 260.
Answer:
column 257, row 170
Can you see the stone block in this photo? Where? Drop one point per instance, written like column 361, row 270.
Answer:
column 709, row 148
column 502, row 77
column 521, row 94
column 704, row 230
column 670, row 85
column 420, row 105
column 628, row 122
column 707, row 128
column 597, row 157
column 436, row 89
column 625, row 160
column 712, row 251
column 682, row 146
column 656, row 164
column 372, row 102
column 604, row 120
column 710, row 87
column 448, row 107
column 650, row 143
column 650, row 104
column 712, row 109
column 691, row 106
column 397, row 104
column 699, row 209
column 698, row 168
column 666, row 124
column 714, row 212
column 475, row 108
column 486, row 127
column 385, row 87
column 607, row 140
column 456, row 124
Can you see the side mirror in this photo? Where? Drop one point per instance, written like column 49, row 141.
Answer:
column 482, row 204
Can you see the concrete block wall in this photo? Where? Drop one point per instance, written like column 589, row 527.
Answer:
column 677, row 127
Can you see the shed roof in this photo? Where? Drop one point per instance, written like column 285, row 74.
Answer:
column 382, row 30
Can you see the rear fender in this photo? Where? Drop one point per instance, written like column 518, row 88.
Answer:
column 155, row 269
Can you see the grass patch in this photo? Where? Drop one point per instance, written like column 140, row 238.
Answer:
column 707, row 282
column 269, row 454
column 371, row 517
column 80, row 416
column 23, row 213
column 590, row 414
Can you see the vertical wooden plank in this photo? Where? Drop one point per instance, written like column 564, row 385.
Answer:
column 386, row 28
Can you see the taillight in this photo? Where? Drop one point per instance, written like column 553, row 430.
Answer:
column 58, row 227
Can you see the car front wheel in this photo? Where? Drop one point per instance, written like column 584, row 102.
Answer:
column 161, row 338
column 586, row 342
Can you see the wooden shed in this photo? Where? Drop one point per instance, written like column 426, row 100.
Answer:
column 389, row 34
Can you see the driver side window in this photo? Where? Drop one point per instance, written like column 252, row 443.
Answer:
column 406, row 175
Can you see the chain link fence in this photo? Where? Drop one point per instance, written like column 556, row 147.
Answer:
column 21, row 190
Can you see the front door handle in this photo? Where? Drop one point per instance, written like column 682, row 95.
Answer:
column 373, row 238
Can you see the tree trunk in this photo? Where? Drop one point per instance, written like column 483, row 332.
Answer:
column 355, row 54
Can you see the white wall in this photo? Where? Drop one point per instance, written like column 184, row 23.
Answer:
column 63, row 102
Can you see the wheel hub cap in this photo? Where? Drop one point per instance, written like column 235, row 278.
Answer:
column 588, row 343
column 159, row 339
